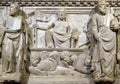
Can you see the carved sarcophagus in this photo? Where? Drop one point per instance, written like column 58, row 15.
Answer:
column 75, row 42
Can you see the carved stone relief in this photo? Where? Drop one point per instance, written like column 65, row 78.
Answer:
column 60, row 42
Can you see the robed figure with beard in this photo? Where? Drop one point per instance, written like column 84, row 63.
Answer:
column 104, row 52
column 14, row 42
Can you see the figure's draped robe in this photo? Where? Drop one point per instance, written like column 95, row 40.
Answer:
column 105, row 48
column 61, row 34
column 14, row 45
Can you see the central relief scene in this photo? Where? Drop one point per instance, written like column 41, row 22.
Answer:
column 42, row 45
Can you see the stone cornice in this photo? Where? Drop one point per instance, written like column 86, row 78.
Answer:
column 60, row 3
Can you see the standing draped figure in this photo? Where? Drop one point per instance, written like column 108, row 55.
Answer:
column 14, row 42
column 61, row 31
column 104, row 54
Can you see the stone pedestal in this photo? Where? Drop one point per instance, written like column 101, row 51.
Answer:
column 59, row 80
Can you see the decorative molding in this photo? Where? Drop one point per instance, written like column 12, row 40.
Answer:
column 56, row 49
column 69, row 10
column 59, row 3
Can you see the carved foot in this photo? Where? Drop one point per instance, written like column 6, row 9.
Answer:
column 9, row 71
column 104, row 79
column 11, row 77
column 16, row 77
column 4, row 76
column 109, row 79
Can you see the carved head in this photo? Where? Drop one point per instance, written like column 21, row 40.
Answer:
column 44, row 55
column 62, row 14
column 75, row 34
column 66, row 56
column 36, row 61
column 74, row 57
column 102, row 6
column 55, row 55
column 14, row 9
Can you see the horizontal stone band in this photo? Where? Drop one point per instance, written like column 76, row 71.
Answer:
column 69, row 3
column 56, row 49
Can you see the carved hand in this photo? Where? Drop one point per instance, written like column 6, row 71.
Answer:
column 35, row 26
column 97, row 36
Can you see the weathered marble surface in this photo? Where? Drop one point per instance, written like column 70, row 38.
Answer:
column 59, row 80
column 71, row 63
